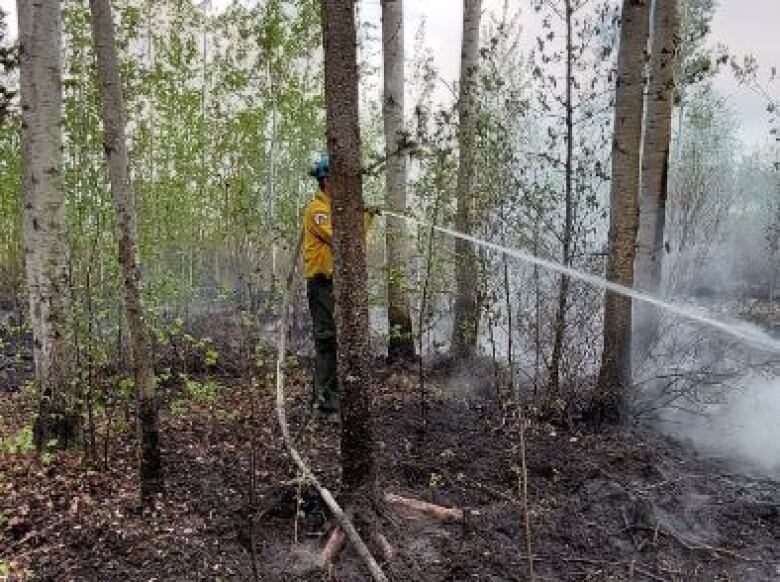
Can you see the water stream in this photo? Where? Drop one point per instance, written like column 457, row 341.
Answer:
column 742, row 330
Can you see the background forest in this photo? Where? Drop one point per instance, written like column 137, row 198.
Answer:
column 225, row 112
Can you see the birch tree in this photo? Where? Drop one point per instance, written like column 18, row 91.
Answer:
column 40, row 31
column 401, row 342
column 150, row 468
column 615, row 373
column 655, row 160
column 466, row 321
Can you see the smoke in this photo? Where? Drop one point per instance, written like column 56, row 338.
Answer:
column 692, row 371
column 744, row 428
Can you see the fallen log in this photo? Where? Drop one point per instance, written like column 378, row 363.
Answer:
column 333, row 547
column 423, row 507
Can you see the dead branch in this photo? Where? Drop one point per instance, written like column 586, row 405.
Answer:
column 333, row 547
column 425, row 508
column 344, row 522
column 667, row 530
column 694, row 547
column 338, row 540
column 388, row 552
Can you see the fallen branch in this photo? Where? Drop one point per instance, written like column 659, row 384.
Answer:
column 688, row 545
column 387, row 549
column 337, row 540
column 667, row 530
column 344, row 522
column 430, row 509
column 333, row 547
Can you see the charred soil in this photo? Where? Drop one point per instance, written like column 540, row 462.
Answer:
column 621, row 505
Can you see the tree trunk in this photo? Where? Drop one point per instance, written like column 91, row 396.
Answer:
column 466, row 324
column 150, row 469
column 563, row 289
column 40, row 32
column 399, row 319
column 615, row 373
column 25, row 15
column 272, row 153
column 655, row 164
column 358, row 452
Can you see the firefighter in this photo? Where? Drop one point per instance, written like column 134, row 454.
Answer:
column 318, row 270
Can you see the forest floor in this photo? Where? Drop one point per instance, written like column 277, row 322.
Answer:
column 626, row 504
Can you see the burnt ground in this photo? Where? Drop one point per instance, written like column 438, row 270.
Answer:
column 621, row 505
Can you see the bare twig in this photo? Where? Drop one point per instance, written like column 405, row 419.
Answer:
column 404, row 147
column 252, row 514
column 523, row 491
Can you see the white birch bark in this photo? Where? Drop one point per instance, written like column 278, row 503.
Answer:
column 40, row 26
column 655, row 163
column 615, row 374
column 401, row 342
column 466, row 320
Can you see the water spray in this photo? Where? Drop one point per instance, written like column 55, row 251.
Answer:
column 741, row 330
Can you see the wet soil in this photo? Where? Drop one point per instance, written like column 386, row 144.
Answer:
column 622, row 505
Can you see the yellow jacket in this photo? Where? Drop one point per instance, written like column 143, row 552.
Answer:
column 318, row 236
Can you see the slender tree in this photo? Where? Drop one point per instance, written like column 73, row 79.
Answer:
column 401, row 343
column 40, row 32
column 563, row 289
column 655, row 161
column 466, row 322
column 615, row 373
column 358, row 456
column 25, row 15
column 150, row 468
column 577, row 133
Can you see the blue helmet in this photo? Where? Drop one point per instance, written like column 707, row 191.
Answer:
column 321, row 168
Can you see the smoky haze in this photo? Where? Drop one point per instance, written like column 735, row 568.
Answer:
column 726, row 266
column 744, row 428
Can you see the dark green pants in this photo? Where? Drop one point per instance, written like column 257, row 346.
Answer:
column 321, row 305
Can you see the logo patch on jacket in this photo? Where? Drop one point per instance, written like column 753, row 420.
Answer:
column 320, row 218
